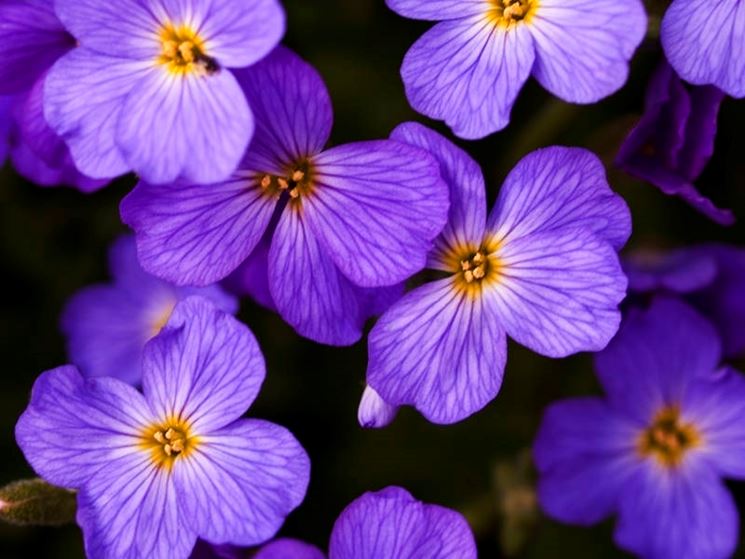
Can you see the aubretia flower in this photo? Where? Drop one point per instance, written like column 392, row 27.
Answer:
column 674, row 140
column 107, row 326
column 469, row 68
column 155, row 470
column 705, row 42
column 542, row 268
column 151, row 87
column 655, row 449
column 710, row 277
column 342, row 222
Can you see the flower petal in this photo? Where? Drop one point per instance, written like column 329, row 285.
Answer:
column 468, row 73
column 192, row 234
column 705, row 42
column 583, row 47
column 467, row 216
column 205, row 367
column 438, row 10
column 242, row 481
column 558, row 293
column 439, row 350
column 83, row 98
column 286, row 548
column 73, row 427
column 580, row 442
column 373, row 411
column 558, row 187
column 192, row 127
column 377, row 208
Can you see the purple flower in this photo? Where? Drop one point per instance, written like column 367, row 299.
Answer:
column 710, row 277
column 704, row 40
column 107, row 326
column 655, row 449
column 541, row 268
column 156, row 470
column 339, row 223
column 32, row 40
column 674, row 140
column 469, row 68
column 389, row 523
column 150, row 87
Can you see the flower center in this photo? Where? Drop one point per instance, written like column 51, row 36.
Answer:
column 298, row 182
column 668, row 438
column 183, row 52
column 475, row 267
column 168, row 441
column 509, row 12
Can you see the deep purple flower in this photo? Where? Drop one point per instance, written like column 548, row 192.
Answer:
column 542, row 268
column 655, row 449
column 704, row 40
column 151, row 86
column 107, row 326
column 674, row 140
column 32, row 40
column 469, row 68
column 154, row 471
column 339, row 223
column 710, row 277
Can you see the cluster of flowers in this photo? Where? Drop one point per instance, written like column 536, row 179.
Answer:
column 227, row 131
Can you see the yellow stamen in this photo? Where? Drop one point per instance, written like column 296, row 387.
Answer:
column 168, row 442
column 507, row 13
column 183, row 52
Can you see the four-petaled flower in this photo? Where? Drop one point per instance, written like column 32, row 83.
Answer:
column 155, row 470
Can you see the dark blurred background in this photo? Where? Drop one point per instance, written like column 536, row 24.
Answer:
column 54, row 241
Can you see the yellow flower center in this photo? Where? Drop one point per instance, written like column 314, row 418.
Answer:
column 668, row 438
column 506, row 13
column 183, row 52
column 167, row 442
column 474, row 267
column 297, row 182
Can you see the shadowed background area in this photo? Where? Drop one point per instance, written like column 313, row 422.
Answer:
column 54, row 241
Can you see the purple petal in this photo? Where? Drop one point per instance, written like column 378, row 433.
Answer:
column 131, row 509
column 686, row 513
column 251, row 277
column 468, row 73
column 327, row 309
column 701, row 130
column 286, row 548
column 440, row 350
column 374, row 412
column 292, row 108
column 585, row 454
column 205, row 126
column 74, row 427
column 242, row 482
column 680, row 271
column 33, row 39
column 558, row 187
column 705, row 42
column 656, row 353
column 558, row 292
column 83, row 98
column 437, row 10
column 583, row 47
column 377, row 208
column 205, row 367
column 6, row 123
column 467, row 216
column 197, row 234
column 391, row 523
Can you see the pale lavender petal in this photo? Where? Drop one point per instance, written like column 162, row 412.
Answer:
column 242, row 481
column 194, row 128
column 467, row 216
column 374, row 412
column 704, row 40
column 440, row 350
column 438, row 10
column 558, row 292
column 286, row 548
column 468, row 73
column 377, row 208
column 205, row 367
column 583, row 47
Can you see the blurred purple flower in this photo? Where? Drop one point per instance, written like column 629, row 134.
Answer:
column 286, row 548
column 469, row 68
column 655, row 449
column 32, row 41
column 150, row 87
column 704, row 40
column 674, row 140
column 107, row 326
column 542, row 268
column 710, row 277
column 338, row 224
column 155, row 470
